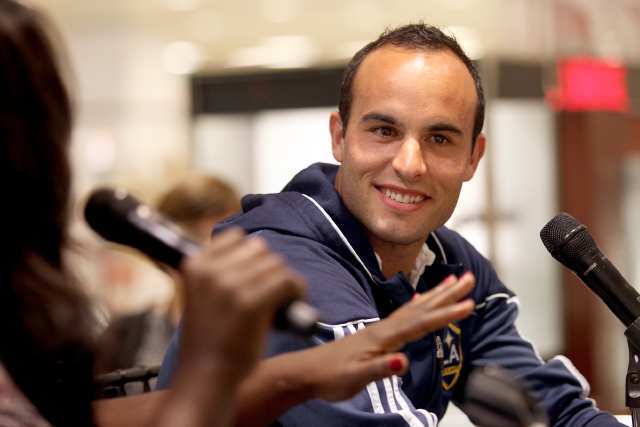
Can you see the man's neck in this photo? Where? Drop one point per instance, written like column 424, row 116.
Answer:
column 396, row 257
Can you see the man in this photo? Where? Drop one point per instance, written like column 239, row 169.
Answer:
column 368, row 234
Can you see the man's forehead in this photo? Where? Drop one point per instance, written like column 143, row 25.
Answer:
column 390, row 69
column 391, row 57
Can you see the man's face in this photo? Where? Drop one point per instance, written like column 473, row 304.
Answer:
column 407, row 148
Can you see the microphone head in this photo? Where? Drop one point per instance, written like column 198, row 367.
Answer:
column 106, row 213
column 121, row 218
column 568, row 241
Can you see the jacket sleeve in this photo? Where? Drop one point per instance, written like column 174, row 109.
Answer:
column 556, row 383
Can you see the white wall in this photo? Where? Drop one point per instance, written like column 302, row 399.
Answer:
column 286, row 141
column 260, row 153
column 522, row 139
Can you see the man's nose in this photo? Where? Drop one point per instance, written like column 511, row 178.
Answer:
column 409, row 161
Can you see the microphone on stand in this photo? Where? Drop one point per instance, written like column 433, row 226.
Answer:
column 121, row 218
column 570, row 243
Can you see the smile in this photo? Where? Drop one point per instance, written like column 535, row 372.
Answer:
column 402, row 198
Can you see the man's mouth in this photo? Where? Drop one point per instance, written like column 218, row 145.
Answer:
column 404, row 197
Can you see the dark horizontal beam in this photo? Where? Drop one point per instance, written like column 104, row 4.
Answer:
column 265, row 90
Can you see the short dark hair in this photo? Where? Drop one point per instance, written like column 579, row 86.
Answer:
column 412, row 36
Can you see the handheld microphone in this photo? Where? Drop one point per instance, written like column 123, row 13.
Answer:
column 570, row 243
column 121, row 218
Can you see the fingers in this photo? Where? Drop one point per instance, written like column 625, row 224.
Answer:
column 441, row 317
column 252, row 263
column 448, row 292
column 218, row 245
column 392, row 336
column 243, row 271
column 233, row 253
column 424, row 322
column 223, row 241
column 278, row 288
column 425, row 313
column 442, row 287
column 231, row 256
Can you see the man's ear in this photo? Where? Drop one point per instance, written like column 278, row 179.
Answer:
column 476, row 155
column 337, row 136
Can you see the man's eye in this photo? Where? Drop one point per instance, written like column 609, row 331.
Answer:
column 439, row 139
column 384, row 131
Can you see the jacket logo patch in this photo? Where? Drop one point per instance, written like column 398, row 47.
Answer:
column 451, row 356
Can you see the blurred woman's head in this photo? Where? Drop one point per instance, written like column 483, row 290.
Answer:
column 43, row 316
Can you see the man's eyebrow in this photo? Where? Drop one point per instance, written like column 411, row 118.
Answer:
column 379, row 118
column 444, row 127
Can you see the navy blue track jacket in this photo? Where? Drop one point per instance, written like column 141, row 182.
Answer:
column 310, row 226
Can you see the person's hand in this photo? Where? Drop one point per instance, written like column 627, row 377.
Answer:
column 340, row 369
column 233, row 288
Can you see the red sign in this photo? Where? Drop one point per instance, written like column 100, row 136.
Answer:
column 590, row 84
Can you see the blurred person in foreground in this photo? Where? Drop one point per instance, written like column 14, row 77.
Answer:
column 232, row 289
column 195, row 204
column 368, row 235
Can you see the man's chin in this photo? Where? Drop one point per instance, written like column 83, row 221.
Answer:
column 400, row 238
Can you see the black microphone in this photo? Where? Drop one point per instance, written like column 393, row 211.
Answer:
column 569, row 242
column 493, row 397
column 121, row 218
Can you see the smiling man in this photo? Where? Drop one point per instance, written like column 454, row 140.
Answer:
column 368, row 235
column 406, row 144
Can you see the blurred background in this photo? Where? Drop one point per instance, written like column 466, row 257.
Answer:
column 241, row 90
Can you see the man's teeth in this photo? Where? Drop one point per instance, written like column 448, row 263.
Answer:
column 402, row 198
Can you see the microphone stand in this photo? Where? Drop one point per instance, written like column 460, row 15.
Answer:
column 632, row 383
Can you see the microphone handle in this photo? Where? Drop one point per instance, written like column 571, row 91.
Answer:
column 613, row 289
column 159, row 239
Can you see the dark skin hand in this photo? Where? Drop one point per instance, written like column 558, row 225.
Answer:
column 233, row 288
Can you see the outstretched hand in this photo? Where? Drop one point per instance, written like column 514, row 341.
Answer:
column 340, row 369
